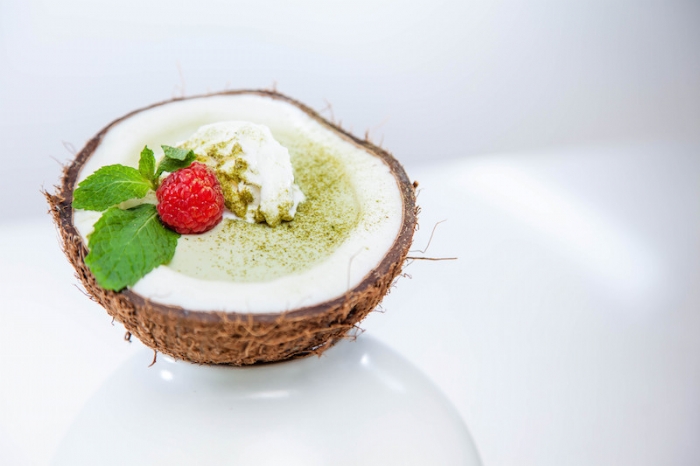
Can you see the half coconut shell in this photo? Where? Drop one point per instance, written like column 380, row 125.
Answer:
column 217, row 337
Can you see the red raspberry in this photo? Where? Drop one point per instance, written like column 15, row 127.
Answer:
column 190, row 200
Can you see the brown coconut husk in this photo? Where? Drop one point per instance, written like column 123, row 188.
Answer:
column 217, row 337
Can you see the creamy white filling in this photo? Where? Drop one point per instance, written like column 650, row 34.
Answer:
column 267, row 174
column 377, row 192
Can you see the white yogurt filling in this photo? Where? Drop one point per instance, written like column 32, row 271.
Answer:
column 377, row 192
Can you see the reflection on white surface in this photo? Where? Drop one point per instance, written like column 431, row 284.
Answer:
column 359, row 403
column 166, row 358
column 269, row 395
column 611, row 253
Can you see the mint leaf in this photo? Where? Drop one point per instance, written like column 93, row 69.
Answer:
column 147, row 164
column 176, row 153
column 127, row 244
column 108, row 186
column 174, row 160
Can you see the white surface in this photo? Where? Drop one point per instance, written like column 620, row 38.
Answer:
column 361, row 404
column 432, row 78
column 565, row 333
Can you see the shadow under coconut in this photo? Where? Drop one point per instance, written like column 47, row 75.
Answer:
column 359, row 403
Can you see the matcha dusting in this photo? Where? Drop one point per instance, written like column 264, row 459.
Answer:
column 254, row 170
column 248, row 252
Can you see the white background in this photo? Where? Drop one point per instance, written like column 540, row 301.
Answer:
column 560, row 140
column 432, row 79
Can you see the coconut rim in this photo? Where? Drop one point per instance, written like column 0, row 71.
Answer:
column 395, row 254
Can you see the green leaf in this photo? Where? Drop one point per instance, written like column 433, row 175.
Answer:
column 127, row 244
column 174, row 160
column 147, row 164
column 108, row 186
column 176, row 153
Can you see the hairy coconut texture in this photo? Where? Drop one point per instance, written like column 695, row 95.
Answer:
column 217, row 337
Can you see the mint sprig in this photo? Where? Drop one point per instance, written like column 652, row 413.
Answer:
column 147, row 165
column 127, row 244
column 110, row 185
column 174, row 160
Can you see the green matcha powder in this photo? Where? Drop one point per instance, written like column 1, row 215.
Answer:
column 245, row 252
